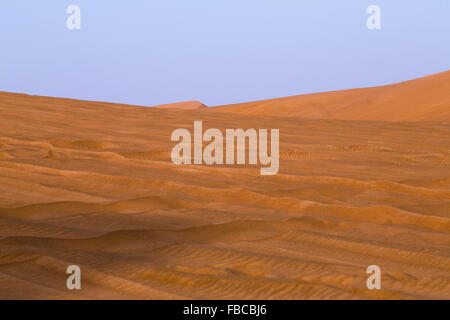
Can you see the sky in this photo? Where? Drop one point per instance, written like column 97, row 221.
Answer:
column 147, row 52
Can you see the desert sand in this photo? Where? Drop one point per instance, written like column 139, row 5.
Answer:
column 185, row 105
column 424, row 99
column 92, row 184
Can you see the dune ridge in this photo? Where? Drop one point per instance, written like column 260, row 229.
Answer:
column 185, row 105
column 423, row 99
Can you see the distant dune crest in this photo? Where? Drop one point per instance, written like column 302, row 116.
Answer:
column 423, row 99
column 186, row 105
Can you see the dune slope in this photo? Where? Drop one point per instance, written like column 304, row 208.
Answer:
column 92, row 184
column 423, row 99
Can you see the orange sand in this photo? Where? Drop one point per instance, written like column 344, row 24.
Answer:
column 424, row 99
column 186, row 105
column 92, row 184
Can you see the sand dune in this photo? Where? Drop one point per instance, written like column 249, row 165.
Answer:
column 186, row 105
column 424, row 99
column 100, row 191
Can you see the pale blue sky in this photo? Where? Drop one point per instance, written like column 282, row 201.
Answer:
column 216, row 51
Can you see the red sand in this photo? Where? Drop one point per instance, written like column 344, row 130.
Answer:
column 92, row 184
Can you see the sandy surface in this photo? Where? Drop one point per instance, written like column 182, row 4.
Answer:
column 185, row 105
column 92, row 184
column 424, row 99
